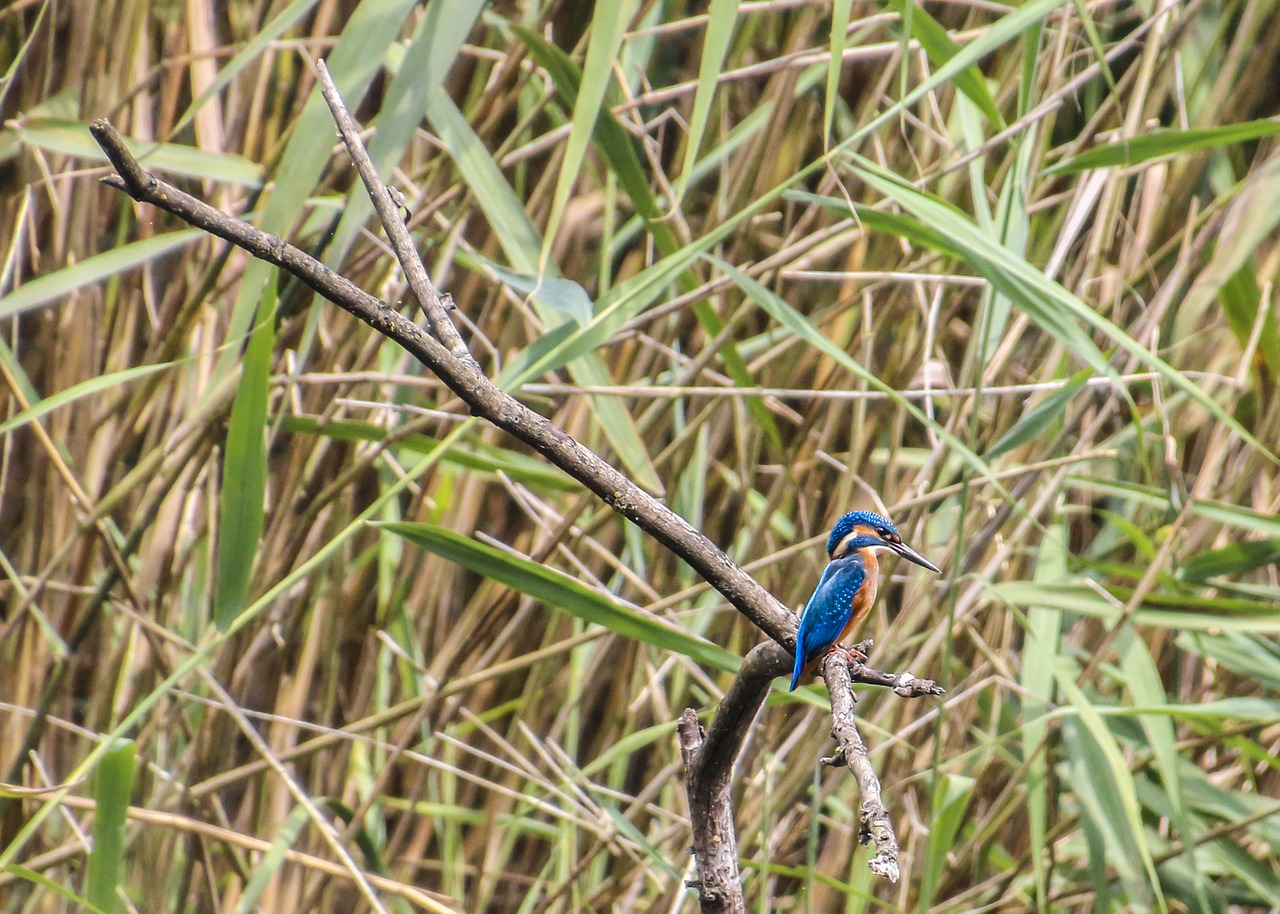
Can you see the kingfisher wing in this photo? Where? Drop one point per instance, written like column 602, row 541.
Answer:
column 827, row 612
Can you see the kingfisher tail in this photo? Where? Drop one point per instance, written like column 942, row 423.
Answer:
column 799, row 670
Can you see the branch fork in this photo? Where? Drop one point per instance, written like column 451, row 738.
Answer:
column 709, row 756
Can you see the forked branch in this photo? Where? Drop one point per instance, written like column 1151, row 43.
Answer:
column 710, row 759
column 455, row 367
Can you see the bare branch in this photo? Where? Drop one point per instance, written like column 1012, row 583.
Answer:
column 464, row 377
column 904, row 684
column 710, row 758
column 851, row 751
column 715, row 839
column 397, row 232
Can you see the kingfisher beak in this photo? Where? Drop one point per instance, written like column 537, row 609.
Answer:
column 912, row 556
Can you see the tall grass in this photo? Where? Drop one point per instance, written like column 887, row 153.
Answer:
column 1006, row 273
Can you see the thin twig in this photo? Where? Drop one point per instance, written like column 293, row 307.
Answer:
column 388, row 210
column 851, row 752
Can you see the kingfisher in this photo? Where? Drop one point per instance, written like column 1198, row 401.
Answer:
column 847, row 589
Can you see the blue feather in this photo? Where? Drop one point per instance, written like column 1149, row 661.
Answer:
column 827, row 612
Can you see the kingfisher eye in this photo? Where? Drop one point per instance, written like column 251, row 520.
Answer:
column 889, row 536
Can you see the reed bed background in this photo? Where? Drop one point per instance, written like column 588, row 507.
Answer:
column 1005, row 272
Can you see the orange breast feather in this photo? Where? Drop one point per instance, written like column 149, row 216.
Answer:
column 865, row 598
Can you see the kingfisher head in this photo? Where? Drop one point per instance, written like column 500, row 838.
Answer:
column 866, row 530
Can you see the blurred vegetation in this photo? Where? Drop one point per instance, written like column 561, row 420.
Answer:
column 1006, row 272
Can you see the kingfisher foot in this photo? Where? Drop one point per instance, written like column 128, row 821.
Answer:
column 855, row 654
